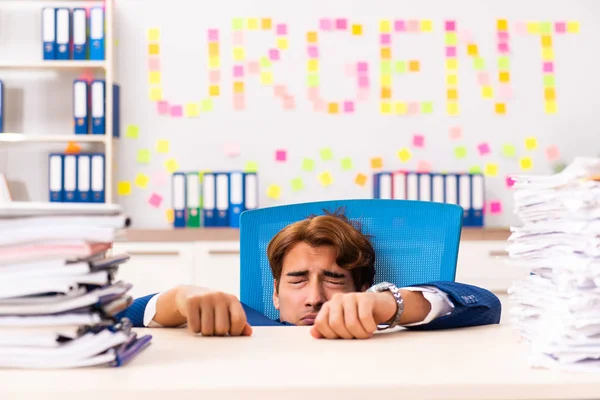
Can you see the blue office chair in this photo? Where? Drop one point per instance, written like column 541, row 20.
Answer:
column 415, row 242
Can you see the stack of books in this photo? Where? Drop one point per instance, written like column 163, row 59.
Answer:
column 557, row 307
column 58, row 295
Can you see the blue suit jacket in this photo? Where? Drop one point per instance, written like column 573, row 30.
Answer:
column 472, row 306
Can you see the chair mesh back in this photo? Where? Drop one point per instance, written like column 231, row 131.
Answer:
column 415, row 242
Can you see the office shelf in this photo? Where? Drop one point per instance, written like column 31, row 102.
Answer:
column 31, row 138
column 53, row 64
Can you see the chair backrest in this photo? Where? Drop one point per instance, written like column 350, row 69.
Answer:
column 415, row 242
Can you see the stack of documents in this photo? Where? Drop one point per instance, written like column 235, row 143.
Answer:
column 557, row 307
column 58, row 297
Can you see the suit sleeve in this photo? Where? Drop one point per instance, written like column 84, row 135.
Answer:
column 473, row 306
column 135, row 312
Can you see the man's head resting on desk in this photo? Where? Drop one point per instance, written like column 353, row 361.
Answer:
column 314, row 259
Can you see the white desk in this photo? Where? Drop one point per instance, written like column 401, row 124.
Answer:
column 286, row 363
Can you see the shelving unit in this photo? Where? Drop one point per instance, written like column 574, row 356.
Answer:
column 107, row 65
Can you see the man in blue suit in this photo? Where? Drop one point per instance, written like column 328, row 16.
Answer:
column 323, row 269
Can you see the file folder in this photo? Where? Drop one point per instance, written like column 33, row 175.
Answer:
column 84, row 177
column 80, row 107
column 193, row 200
column 382, row 185
column 222, row 198
column 236, row 198
column 55, row 177
column 478, row 199
column 451, row 189
column 424, row 187
column 437, row 188
column 70, row 177
column 98, row 108
column 63, row 33
column 250, row 191
column 97, row 33
column 464, row 197
column 412, row 186
column 209, row 200
column 1, row 107
column 116, row 113
column 98, row 179
column 49, row 33
column 178, row 199
column 399, row 185
column 79, row 34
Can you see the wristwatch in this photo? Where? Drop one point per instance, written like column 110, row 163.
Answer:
column 382, row 287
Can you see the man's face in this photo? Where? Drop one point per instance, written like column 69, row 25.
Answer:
column 309, row 278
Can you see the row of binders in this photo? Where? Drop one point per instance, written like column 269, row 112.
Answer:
column 466, row 190
column 70, row 35
column 89, row 107
column 76, row 178
column 212, row 199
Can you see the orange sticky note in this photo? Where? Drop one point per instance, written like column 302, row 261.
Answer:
column 386, row 53
column 376, row 162
column 238, row 87
column 500, row 108
column 333, row 108
column 169, row 215
column 153, row 49
column 414, row 66
column 312, row 37
column 550, row 94
column 73, row 148
column 546, row 41
column 386, row 93
column 266, row 23
column 360, row 179
column 213, row 49
column 214, row 90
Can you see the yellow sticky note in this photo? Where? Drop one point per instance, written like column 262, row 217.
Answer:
column 141, row 181
column 133, row 131
column 313, row 65
column 491, row 169
column 361, row 179
column 573, row 26
column 326, row 154
column 502, row 25
column 274, row 191
column 385, row 53
column 452, row 108
column 414, row 66
column 239, row 53
column 451, row 79
column 386, row 80
column 213, row 49
column 357, row 29
column 252, row 24
column 153, row 49
column 385, row 26
column 546, row 41
column 312, row 37
column 206, row 105
column 266, row 78
column 297, row 184
column 386, row 107
column 238, row 87
column 451, row 64
column 143, row 156
column 124, row 188
column 487, row 92
column 504, row 76
column 500, row 108
column 531, row 143
column 214, row 62
column 400, row 108
column 549, row 94
column 266, row 23
column 333, row 108
column 404, row 154
column 154, row 77
column 153, row 35
column 548, row 54
column 452, row 94
column 551, row 107
column 169, row 215
column 426, row 25
column 171, row 165
column 214, row 90
column 325, row 178
column 251, row 166
column 526, row 163
column 162, row 146
column 472, row 50
column 192, row 110
column 386, row 93
column 533, row 27
column 377, row 163
column 282, row 43
column 308, row 165
column 156, row 94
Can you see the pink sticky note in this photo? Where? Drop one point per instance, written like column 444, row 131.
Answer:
column 560, row 27
column 413, row 25
column 162, row 107
column 509, row 182
column 484, row 149
column 483, row 78
column 521, row 28
column 280, row 155
column 238, row 71
column 450, row 26
column 215, row 76
column 350, row 70
column 325, row 24
column 313, row 93
column 505, row 91
column 503, row 48
column 274, row 54
column 153, row 64
column 160, row 178
column 281, row 29
column 385, row 38
column 289, row 103
column 413, row 108
column 399, row 25
column 548, row 67
column 418, row 140
column 503, row 37
column 362, row 67
column 155, row 200
column 455, row 132
column 253, row 67
column 239, row 103
column 423, row 166
column 88, row 76
column 465, row 36
column 363, row 81
column 341, row 24
column 238, row 38
column 280, row 90
column 363, row 94
column 231, row 149
column 348, row 107
column 213, row 35
column 176, row 111
column 313, row 51
column 450, row 51
column 552, row 153
column 319, row 105
column 495, row 207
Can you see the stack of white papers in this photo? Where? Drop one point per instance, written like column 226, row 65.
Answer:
column 58, row 297
column 557, row 307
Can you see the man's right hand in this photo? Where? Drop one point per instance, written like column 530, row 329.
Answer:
column 212, row 313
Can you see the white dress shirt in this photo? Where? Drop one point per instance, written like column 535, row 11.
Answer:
column 441, row 305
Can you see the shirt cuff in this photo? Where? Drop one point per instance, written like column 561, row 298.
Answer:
column 441, row 305
column 150, row 312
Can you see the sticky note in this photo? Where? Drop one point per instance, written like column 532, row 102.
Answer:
column 483, row 148
column 124, row 188
column 237, row 24
column 162, row 146
column 451, row 79
column 213, row 49
column 531, row 143
column 153, row 64
column 452, row 64
column 281, row 29
column 495, row 207
column 239, row 53
column 452, row 94
column 504, row 76
column 346, row 163
column 333, row 108
column 426, row 25
column 427, row 107
column 455, row 132
column 418, row 140
column 376, row 162
column 214, row 62
column 238, row 87
column 326, row 154
column 213, row 35
column 308, row 165
column 400, row 108
column 423, row 166
column 450, row 25
column 142, row 180
column 414, row 66
column 548, row 67
column 341, row 24
column 385, row 26
column 491, row 169
column 312, row 37
column 162, row 107
column 510, row 182
column 357, row 29
column 573, row 27
column 560, row 27
column 313, row 51
column 312, row 65
column 155, row 94
column 503, row 36
column 360, row 179
column 552, row 153
column 404, row 154
column 475, row 169
column 73, row 148
column 325, row 24
column 132, row 131
column 143, row 156
column 214, row 77
column 502, row 25
column 266, row 23
column 348, row 107
column 550, row 107
column 280, row 155
column 412, row 25
column 266, row 78
column 483, row 78
column 282, row 43
column 548, row 54
column 289, row 103
column 154, row 77
column 399, row 25
column 460, row 152
column 159, row 178
column 549, row 81
column 503, row 48
column 521, row 27
column 274, row 192
column 171, row 165
column 153, row 49
column 451, row 39
column 453, row 108
column 400, row 67
column 155, row 200
column 487, row 92
column 500, row 108
column 153, row 35
column 503, row 62
column 251, row 166
column 325, row 179
column 312, row 80
column 176, row 111
column 192, row 110
column 206, row 105
column 413, row 108
column 297, row 184
column 478, row 63
column 533, row 27
column 526, row 163
column 231, row 149
column 385, row 53
column 169, row 215
column 508, row 150
column 252, row 24
column 472, row 50
column 505, row 92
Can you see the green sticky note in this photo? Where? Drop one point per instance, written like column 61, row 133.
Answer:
column 346, row 163
column 475, row 169
column 251, row 166
column 143, row 156
column 265, row 62
column 308, row 165
column 503, row 62
column 460, row 152
column 386, row 67
column 326, row 154
column 549, row 81
column 313, row 80
column 546, row 27
column 133, row 131
column 400, row 67
column 478, row 63
column 427, row 107
column 207, row 105
column 237, row 24
column 451, row 39
column 508, row 150
column 297, row 184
